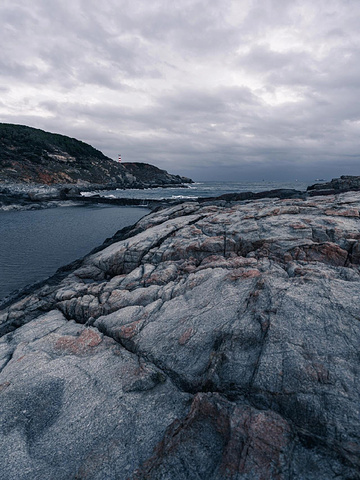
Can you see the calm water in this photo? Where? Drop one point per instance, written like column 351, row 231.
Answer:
column 34, row 244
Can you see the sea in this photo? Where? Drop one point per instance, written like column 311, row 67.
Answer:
column 35, row 243
column 199, row 189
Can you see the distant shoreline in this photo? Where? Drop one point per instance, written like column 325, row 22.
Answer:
column 36, row 196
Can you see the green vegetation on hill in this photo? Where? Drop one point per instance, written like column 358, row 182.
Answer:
column 31, row 155
column 36, row 144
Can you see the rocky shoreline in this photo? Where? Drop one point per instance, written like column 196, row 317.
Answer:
column 15, row 196
column 215, row 339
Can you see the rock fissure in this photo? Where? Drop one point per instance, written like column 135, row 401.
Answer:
column 264, row 335
column 349, row 258
column 7, row 360
column 176, row 379
column 163, row 239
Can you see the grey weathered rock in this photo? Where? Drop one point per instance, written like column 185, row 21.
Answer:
column 336, row 185
column 215, row 342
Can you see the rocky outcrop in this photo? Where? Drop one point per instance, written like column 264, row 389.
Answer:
column 35, row 197
column 30, row 197
column 208, row 342
column 153, row 176
column 281, row 193
column 337, row 185
column 32, row 156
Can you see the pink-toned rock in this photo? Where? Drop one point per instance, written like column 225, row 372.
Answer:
column 78, row 345
column 250, row 442
column 351, row 212
column 185, row 337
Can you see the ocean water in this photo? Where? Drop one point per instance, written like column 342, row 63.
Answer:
column 200, row 189
column 35, row 243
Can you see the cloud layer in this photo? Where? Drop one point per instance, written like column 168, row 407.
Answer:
column 239, row 90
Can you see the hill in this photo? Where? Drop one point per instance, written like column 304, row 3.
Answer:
column 30, row 155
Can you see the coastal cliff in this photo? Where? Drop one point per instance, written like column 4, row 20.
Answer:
column 211, row 341
column 32, row 156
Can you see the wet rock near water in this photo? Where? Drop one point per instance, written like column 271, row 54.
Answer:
column 14, row 196
column 337, row 185
column 208, row 341
column 277, row 193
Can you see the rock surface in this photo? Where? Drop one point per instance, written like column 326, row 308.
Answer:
column 207, row 342
column 336, row 185
column 149, row 175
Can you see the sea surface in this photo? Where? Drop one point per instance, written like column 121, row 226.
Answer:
column 34, row 244
column 200, row 189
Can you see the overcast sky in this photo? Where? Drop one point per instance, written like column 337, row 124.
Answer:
column 215, row 89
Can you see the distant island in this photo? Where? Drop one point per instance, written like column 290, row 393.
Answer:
column 32, row 156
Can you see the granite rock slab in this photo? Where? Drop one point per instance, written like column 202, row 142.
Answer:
column 210, row 342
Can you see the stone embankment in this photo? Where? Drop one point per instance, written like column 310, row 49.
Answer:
column 205, row 342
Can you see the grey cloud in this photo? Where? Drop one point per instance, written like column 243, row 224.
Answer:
column 147, row 69
column 263, row 60
column 195, row 26
column 214, row 129
column 71, row 44
column 15, row 69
